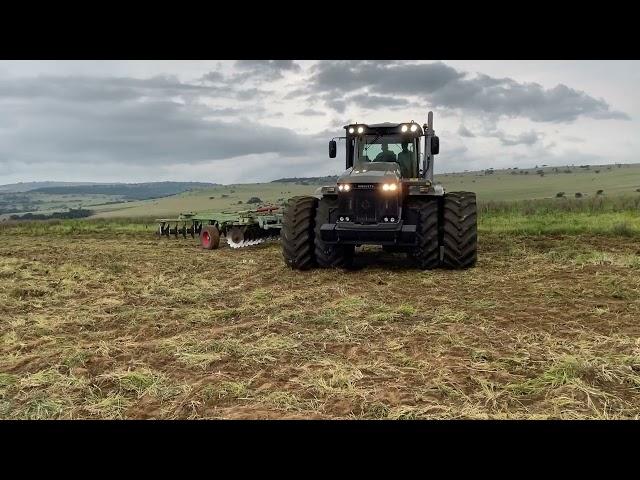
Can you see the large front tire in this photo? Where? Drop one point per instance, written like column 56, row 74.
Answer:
column 427, row 252
column 460, row 230
column 297, row 233
column 328, row 255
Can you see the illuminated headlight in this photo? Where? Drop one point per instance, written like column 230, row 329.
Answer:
column 352, row 130
column 393, row 219
column 344, row 188
column 414, row 127
column 404, row 128
column 386, row 219
column 389, row 187
column 346, row 219
column 342, row 219
column 360, row 129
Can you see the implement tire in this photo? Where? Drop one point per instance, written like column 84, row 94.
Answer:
column 210, row 237
column 426, row 254
column 297, row 233
column 328, row 255
column 460, row 230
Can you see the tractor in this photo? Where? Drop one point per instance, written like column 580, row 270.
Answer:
column 386, row 197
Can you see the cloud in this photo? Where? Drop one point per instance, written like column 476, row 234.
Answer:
column 442, row 86
column 142, row 125
column 381, row 77
column 310, row 112
column 484, row 94
column 465, row 132
column 377, row 101
column 267, row 69
column 525, row 138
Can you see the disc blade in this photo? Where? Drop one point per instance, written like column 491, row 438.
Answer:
column 235, row 237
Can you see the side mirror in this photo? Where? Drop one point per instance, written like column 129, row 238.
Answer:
column 435, row 145
column 332, row 149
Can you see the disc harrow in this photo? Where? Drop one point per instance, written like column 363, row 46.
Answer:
column 241, row 229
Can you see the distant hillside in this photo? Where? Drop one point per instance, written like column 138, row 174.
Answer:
column 28, row 186
column 126, row 191
column 307, row 180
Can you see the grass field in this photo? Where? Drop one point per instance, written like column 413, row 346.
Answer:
column 103, row 320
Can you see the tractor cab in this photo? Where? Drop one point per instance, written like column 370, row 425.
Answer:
column 395, row 144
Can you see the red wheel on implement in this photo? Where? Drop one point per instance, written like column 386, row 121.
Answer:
column 210, row 237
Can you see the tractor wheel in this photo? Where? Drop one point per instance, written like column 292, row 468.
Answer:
column 426, row 254
column 210, row 237
column 460, row 230
column 297, row 235
column 330, row 256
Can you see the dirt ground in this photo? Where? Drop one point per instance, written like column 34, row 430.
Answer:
column 98, row 326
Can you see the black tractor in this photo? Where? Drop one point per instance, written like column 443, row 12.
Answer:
column 386, row 197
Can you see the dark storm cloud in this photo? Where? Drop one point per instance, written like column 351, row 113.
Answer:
column 443, row 86
column 140, row 125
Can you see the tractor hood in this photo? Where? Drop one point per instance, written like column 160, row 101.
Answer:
column 372, row 172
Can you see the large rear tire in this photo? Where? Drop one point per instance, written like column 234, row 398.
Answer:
column 427, row 252
column 460, row 230
column 328, row 255
column 297, row 233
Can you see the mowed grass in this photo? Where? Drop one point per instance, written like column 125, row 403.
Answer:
column 104, row 325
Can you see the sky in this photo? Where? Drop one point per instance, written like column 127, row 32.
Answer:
column 258, row 120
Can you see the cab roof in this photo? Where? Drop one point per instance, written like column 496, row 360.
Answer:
column 389, row 126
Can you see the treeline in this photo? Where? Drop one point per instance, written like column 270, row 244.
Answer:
column 128, row 191
column 73, row 213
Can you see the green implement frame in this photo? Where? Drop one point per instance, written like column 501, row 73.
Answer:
column 241, row 229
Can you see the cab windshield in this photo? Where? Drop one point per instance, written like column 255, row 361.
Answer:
column 387, row 148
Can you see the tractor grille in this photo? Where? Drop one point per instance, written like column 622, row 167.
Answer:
column 365, row 203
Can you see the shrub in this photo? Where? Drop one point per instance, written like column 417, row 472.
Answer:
column 600, row 192
column 254, row 200
column 559, row 194
column 578, row 195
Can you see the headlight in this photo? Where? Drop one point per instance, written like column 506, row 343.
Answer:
column 414, row 127
column 389, row 187
column 344, row 188
column 404, row 128
column 351, row 130
column 360, row 129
